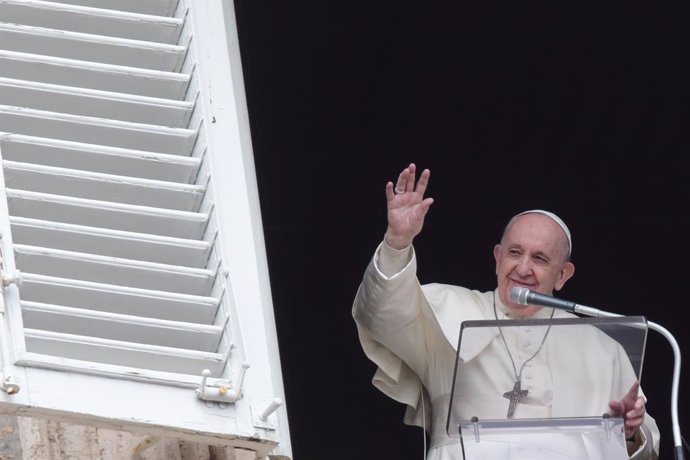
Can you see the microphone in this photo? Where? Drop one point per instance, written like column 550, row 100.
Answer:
column 523, row 296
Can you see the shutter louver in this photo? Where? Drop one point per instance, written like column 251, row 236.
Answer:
column 158, row 209
column 109, row 193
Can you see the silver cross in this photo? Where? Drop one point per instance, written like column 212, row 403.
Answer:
column 515, row 395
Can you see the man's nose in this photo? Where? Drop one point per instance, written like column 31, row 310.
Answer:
column 524, row 266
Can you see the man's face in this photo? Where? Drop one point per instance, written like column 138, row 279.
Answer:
column 532, row 255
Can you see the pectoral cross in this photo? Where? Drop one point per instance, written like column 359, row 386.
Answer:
column 515, row 395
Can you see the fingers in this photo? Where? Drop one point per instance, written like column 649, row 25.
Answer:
column 634, row 418
column 389, row 191
column 637, row 410
column 423, row 181
column 629, row 402
column 633, row 412
column 630, row 399
column 406, row 181
column 631, row 408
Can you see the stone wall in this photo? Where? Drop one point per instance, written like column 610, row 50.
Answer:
column 30, row 438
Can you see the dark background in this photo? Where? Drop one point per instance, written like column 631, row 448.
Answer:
column 582, row 111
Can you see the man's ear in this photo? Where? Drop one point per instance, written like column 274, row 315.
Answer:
column 567, row 272
column 497, row 255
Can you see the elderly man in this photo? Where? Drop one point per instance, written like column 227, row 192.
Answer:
column 411, row 331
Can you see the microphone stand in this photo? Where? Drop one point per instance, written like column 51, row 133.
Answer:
column 677, row 438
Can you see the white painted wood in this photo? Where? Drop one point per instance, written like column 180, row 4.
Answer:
column 99, row 186
column 146, row 407
column 105, row 214
column 154, row 7
column 121, row 353
column 113, row 270
column 119, row 299
column 114, row 133
column 108, row 242
column 99, row 21
column 105, row 331
column 94, row 103
column 104, row 77
column 230, row 150
column 106, row 325
column 97, row 370
column 90, row 47
column 97, row 158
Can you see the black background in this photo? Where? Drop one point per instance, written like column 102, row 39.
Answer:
column 580, row 110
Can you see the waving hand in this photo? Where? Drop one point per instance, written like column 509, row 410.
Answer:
column 407, row 207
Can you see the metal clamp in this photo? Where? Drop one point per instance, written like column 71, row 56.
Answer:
column 15, row 278
column 608, row 424
column 475, row 424
column 9, row 386
column 221, row 391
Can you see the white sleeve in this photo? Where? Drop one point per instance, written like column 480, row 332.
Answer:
column 391, row 327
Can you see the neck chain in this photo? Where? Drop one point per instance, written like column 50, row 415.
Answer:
column 517, row 393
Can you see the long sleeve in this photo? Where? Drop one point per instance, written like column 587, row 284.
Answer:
column 645, row 446
column 387, row 307
column 386, row 312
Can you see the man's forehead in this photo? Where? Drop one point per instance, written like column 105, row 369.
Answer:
column 553, row 218
column 533, row 234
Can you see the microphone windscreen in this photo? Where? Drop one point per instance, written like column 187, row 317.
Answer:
column 519, row 295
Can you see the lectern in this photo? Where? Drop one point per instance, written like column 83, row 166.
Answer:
column 539, row 388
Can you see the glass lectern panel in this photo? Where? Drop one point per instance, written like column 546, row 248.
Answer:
column 528, row 377
column 592, row 438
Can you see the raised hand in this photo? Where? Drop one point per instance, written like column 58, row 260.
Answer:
column 631, row 408
column 407, row 207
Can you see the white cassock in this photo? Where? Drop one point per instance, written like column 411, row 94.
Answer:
column 411, row 333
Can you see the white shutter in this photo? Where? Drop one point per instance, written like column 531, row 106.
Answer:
column 130, row 221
